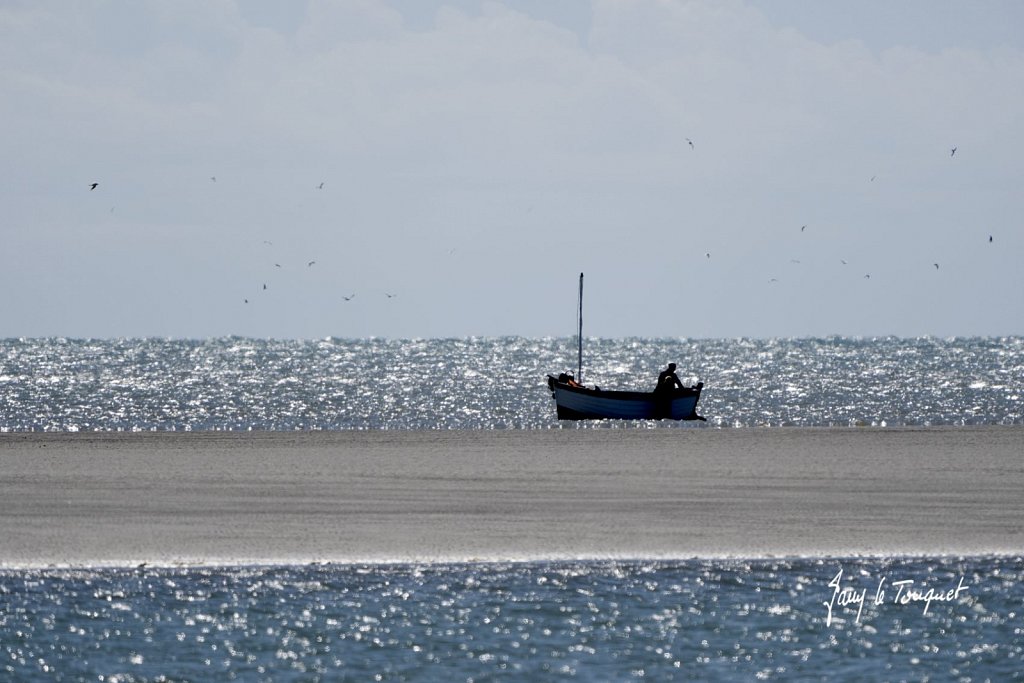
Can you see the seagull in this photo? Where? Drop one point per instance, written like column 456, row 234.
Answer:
column 936, row 266
column 246, row 301
column 277, row 265
column 990, row 238
column 690, row 142
column 264, row 285
column 708, row 254
column 390, row 296
column 952, row 151
column 349, row 298
column 320, row 186
column 868, row 276
column 93, row 186
column 802, row 228
column 873, row 178
column 268, row 242
column 310, row 263
column 793, row 260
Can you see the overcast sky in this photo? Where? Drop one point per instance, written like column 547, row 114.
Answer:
column 456, row 164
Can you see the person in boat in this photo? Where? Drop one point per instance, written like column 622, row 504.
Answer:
column 668, row 380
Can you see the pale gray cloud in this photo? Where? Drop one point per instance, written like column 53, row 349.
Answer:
column 476, row 156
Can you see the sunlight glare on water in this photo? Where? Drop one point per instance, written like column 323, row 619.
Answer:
column 499, row 383
column 698, row 619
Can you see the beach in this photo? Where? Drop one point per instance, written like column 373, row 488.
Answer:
column 212, row 498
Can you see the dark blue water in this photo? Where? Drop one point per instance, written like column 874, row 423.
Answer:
column 594, row 621
column 239, row 384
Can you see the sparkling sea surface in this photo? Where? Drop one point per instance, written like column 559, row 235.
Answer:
column 496, row 383
column 596, row 621
column 686, row 619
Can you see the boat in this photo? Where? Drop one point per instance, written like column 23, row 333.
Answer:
column 574, row 401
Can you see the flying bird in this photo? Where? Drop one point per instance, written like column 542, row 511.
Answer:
column 349, row 298
column 802, row 228
column 690, row 142
column 390, row 296
column 310, row 263
column 264, row 285
column 277, row 265
column 842, row 261
column 708, row 254
column 990, row 238
column 213, row 178
column 93, row 186
column 936, row 266
column 952, row 151
column 320, row 186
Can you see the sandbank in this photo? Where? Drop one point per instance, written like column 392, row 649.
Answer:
column 96, row 499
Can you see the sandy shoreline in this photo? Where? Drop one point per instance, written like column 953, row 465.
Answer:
column 283, row 497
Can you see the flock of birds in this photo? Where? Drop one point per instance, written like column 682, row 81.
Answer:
column 309, row 264
column 389, row 295
column 803, row 228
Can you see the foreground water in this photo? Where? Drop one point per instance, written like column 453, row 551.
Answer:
column 690, row 620
column 239, row 384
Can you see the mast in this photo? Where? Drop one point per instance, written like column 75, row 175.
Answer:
column 579, row 335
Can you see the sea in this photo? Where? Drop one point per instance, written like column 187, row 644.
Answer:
column 497, row 383
column 893, row 618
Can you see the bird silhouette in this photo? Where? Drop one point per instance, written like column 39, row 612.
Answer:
column 990, row 238
column 952, row 151
column 320, row 186
column 277, row 265
column 349, row 298
column 690, row 142
column 213, row 178
column 93, row 186
column 390, row 296
column 310, row 263
column 936, row 266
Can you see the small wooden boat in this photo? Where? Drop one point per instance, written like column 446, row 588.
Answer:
column 577, row 402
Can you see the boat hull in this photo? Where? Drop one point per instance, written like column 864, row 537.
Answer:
column 584, row 403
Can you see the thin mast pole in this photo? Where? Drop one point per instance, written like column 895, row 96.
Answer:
column 579, row 335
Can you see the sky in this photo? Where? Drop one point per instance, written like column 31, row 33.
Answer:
column 433, row 168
